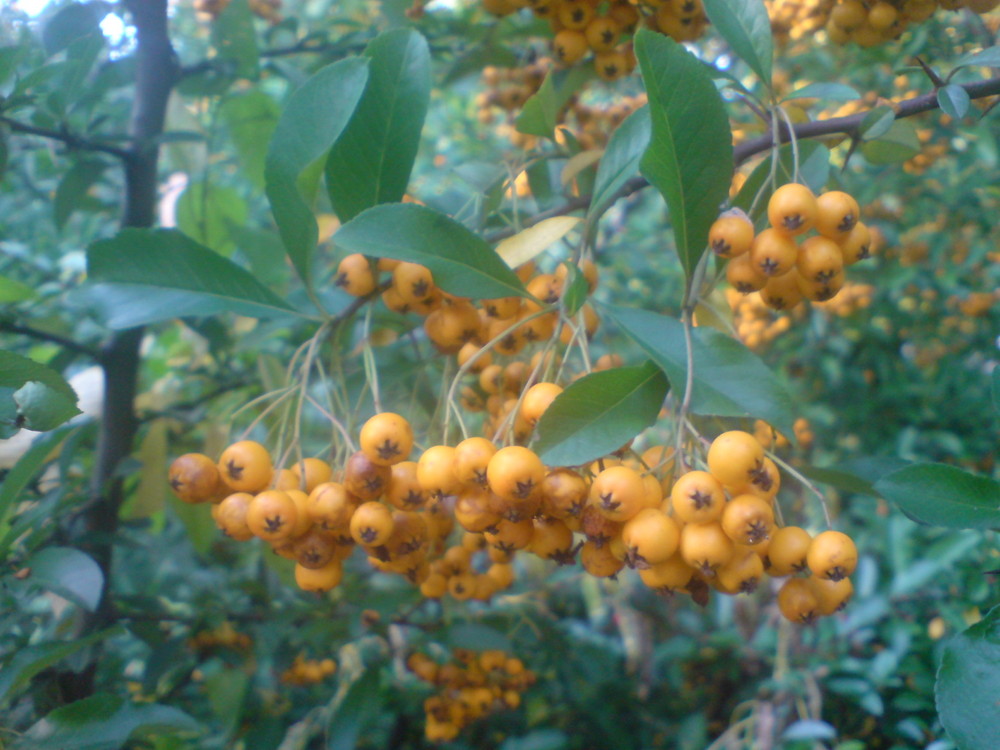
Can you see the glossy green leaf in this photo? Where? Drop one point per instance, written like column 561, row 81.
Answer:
column 29, row 661
column 831, row 92
column 856, row 475
column 358, row 706
column 690, row 154
column 942, row 495
column 996, row 389
column 14, row 291
column 42, row 408
column 250, row 118
column 538, row 739
column 745, row 26
column 28, row 467
column 540, row 113
column 314, row 117
column 954, row 101
column 40, row 399
column 73, row 21
column 207, row 213
column 73, row 187
column 577, row 289
column 235, row 39
column 176, row 277
column 968, row 683
column 898, row 144
column 987, row 58
column 599, row 413
column 729, row 380
column 477, row 637
column 371, row 161
column 69, row 573
column 227, row 692
column 104, row 722
column 620, row 162
column 461, row 261
column 876, row 123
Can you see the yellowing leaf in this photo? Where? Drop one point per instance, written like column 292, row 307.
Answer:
column 535, row 240
column 580, row 162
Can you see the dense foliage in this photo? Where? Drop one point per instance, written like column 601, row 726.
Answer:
column 213, row 220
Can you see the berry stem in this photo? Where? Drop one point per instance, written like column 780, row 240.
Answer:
column 801, row 478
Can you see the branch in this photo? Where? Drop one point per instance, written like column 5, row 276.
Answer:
column 36, row 333
column 849, row 125
column 72, row 140
column 305, row 46
column 748, row 149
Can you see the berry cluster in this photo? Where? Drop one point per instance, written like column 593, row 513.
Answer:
column 775, row 263
column 580, row 28
column 468, row 688
column 305, row 671
column 224, row 636
column 728, row 537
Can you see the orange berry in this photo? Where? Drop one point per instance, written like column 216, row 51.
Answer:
column 246, row 466
column 387, row 439
column 792, row 209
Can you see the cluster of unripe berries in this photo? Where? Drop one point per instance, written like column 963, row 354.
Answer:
column 468, row 687
column 778, row 262
column 305, row 671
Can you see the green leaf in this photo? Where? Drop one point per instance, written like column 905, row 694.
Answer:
column 460, row 260
column 235, row 39
column 538, row 739
column 599, row 413
column 358, row 707
column 42, row 408
column 73, row 21
column 954, row 101
column 14, row 291
column 104, row 722
column 898, row 144
column 73, row 187
column 996, row 389
column 251, row 119
column 176, row 277
column 620, row 162
column 540, row 113
column 29, row 661
column 227, row 693
column 968, row 683
column 729, row 380
column 28, row 467
column 577, row 289
column 42, row 399
column 832, row 92
column 313, row 119
column 372, row 159
column 876, row 123
column 987, row 58
column 690, row 154
column 472, row 635
column 814, row 170
column 745, row 26
column 942, row 495
column 856, row 475
column 207, row 213
column 69, row 573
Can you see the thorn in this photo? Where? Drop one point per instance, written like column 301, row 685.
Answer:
column 931, row 73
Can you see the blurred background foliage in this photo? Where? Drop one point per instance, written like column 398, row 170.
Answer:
column 207, row 629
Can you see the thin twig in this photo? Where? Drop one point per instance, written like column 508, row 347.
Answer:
column 55, row 338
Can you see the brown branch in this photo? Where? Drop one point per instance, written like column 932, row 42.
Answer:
column 305, row 46
column 55, row 338
column 73, row 141
column 745, row 151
